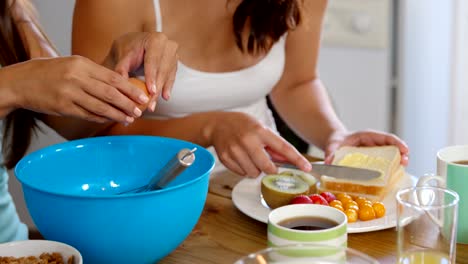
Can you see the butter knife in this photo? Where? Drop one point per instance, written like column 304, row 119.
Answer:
column 339, row 172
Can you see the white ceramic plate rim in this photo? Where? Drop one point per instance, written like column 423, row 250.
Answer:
column 246, row 196
column 24, row 248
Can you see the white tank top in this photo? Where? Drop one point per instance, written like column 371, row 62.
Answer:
column 241, row 91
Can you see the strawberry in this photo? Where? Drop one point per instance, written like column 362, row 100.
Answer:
column 318, row 199
column 328, row 196
column 301, row 199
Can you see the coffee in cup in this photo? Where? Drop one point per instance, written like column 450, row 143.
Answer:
column 307, row 223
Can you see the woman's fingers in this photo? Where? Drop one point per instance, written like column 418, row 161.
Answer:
column 154, row 47
column 260, row 157
column 116, row 90
column 369, row 138
column 124, row 66
column 155, row 53
column 101, row 109
column 167, row 89
column 280, row 145
column 167, row 69
column 160, row 66
column 110, row 96
column 277, row 157
column 244, row 160
column 81, row 112
column 231, row 163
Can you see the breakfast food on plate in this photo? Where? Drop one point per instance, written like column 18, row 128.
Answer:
column 306, row 177
column 359, row 208
column 140, row 84
column 51, row 258
column 278, row 189
column 385, row 159
column 297, row 187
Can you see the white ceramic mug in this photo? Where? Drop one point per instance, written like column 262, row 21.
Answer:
column 279, row 235
column 335, row 234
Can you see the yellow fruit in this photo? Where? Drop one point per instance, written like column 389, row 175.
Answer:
column 338, row 206
column 352, row 215
column 335, row 202
column 379, row 209
column 351, row 206
column 349, row 203
column 340, row 196
column 360, row 200
column 366, row 212
column 344, row 198
column 366, row 203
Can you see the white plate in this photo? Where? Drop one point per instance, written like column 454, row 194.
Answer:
column 247, row 198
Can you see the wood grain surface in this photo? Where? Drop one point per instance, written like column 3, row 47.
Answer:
column 224, row 234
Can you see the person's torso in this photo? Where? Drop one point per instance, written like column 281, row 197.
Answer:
column 222, row 77
column 213, row 74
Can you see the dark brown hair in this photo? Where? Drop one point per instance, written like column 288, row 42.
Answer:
column 18, row 125
column 268, row 20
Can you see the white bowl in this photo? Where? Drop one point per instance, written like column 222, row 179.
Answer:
column 35, row 248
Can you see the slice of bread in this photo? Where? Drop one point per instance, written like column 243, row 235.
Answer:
column 385, row 159
column 373, row 196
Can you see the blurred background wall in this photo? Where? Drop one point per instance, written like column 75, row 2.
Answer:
column 56, row 18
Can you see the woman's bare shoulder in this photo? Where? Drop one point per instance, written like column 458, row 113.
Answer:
column 303, row 43
column 122, row 11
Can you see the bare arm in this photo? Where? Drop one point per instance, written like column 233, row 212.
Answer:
column 69, row 90
column 9, row 99
column 300, row 97
column 72, row 91
column 97, row 23
column 302, row 100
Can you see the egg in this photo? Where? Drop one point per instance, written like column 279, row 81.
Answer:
column 142, row 86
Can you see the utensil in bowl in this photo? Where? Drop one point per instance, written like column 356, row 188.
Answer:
column 174, row 167
column 70, row 191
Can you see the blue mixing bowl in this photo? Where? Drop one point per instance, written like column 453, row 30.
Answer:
column 71, row 194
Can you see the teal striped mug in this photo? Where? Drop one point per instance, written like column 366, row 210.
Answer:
column 452, row 166
column 307, row 224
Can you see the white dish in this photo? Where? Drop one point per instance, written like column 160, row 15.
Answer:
column 35, row 248
column 247, row 198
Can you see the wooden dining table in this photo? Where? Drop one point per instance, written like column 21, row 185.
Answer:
column 224, row 234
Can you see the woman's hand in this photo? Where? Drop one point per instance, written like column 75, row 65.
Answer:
column 72, row 86
column 365, row 138
column 155, row 51
column 243, row 145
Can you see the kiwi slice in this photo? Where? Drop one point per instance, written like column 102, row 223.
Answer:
column 278, row 190
column 306, row 177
